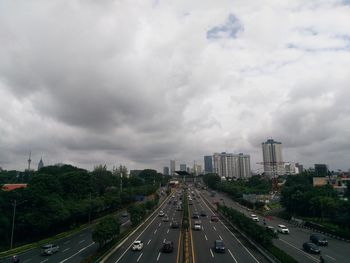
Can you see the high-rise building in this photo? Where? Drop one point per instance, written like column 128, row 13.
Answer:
column 40, row 164
column 232, row 165
column 321, row 169
column 272, row 158
column 182, row 167
column 208, row 164
column 166, row 170
column 299, row 168
column 172, row 167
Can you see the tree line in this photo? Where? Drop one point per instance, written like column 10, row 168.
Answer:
column 59, row 198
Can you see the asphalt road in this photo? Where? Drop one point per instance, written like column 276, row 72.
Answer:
column 236, row 249
column 72, row 249
column 337, row 251
column 152, row 234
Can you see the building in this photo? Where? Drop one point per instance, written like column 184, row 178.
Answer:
column 232, row 165
column 272, row 158
column 172, row 168
column 208, row 164
column 339, row 183
column 321, row 169
column 166, row 170
column 299, row 168
column 10, row 187
column 40, row 164
column 183, row 167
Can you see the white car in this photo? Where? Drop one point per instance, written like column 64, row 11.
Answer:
column 283, row 229
column 255, row 218
column 137, row 245
column 197, row 225
column 161, row 214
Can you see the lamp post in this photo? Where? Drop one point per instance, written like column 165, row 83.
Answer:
column 13, row 222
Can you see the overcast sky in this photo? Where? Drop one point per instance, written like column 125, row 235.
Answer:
column 142, row 82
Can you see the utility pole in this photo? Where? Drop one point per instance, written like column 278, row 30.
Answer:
column 13, row 222
column 121, row 183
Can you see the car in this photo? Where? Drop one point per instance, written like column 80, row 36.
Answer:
column 195, row 215
column 50, row 249
column 168, row 246
column 311, row 248
column 319, row 240
column 197, row 225
column 203, row 213
column 214, row 218
column 125, row 214
column 190, row 202
column 254, row 217
column 175, row 224
column 137, row 245
column 219, row 246
column 179, row 208
column 283, row 229
column 165, row 218
column 161, row 213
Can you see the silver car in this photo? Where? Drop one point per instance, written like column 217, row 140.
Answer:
column 50, row 249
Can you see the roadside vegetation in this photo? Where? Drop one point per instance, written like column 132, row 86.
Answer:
column 61, row 198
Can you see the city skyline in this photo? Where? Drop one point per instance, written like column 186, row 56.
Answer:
column 182, row 80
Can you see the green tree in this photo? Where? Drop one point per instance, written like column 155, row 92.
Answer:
column 106, row 230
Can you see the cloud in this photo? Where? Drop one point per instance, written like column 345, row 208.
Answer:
column 141, row 83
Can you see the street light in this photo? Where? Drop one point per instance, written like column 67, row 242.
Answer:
column 13, row 220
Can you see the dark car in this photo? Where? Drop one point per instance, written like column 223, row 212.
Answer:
column 195, row 215
column 168, row 247
column 319, row 240
column 214, row 218
column 311, row 248
column 219, row 246
column 203, row 213
column 175, row 224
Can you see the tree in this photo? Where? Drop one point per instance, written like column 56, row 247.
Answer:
column 137, row 213
column 211, row 180
column 106, row 230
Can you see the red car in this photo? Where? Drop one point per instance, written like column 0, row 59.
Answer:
column 214, row 218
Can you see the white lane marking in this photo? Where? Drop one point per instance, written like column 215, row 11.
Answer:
column 44, row 260
column 221, row 237
column 158, row 256
column 149, row 241
column 160, row 224
column 66, row 249
column 203, row 227
column 167, row 231
column 139, row 257
column 164, row 240
column 330, row 257
column 81, row 250
column 306, row 254
column 211, row 252
column 125, row 222
column 234, row 235
column 81, row 241
column 232, row 255
column 155, row 231
column 214, row 228
column 66, row 242
column 156, row 216
column 205, row 237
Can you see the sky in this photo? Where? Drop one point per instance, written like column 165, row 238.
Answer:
column 141, row 82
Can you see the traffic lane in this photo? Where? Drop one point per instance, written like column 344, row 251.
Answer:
column 124, row 251
column 158, row 237
column 336, row 251
column 235, row 248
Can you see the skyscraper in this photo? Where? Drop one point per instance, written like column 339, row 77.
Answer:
column 40, row 164
column 272, row 158
column 183, row 167
column 232, row 165
column 172, row 167
column 166, row 170
column 208, row 164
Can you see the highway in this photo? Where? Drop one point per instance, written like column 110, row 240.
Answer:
column 73, row 249
column 152, row 234
column 236, row 249
column 155, row 231
column 337, row 250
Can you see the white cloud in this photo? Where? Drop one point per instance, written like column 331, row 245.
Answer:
column 140, row 82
